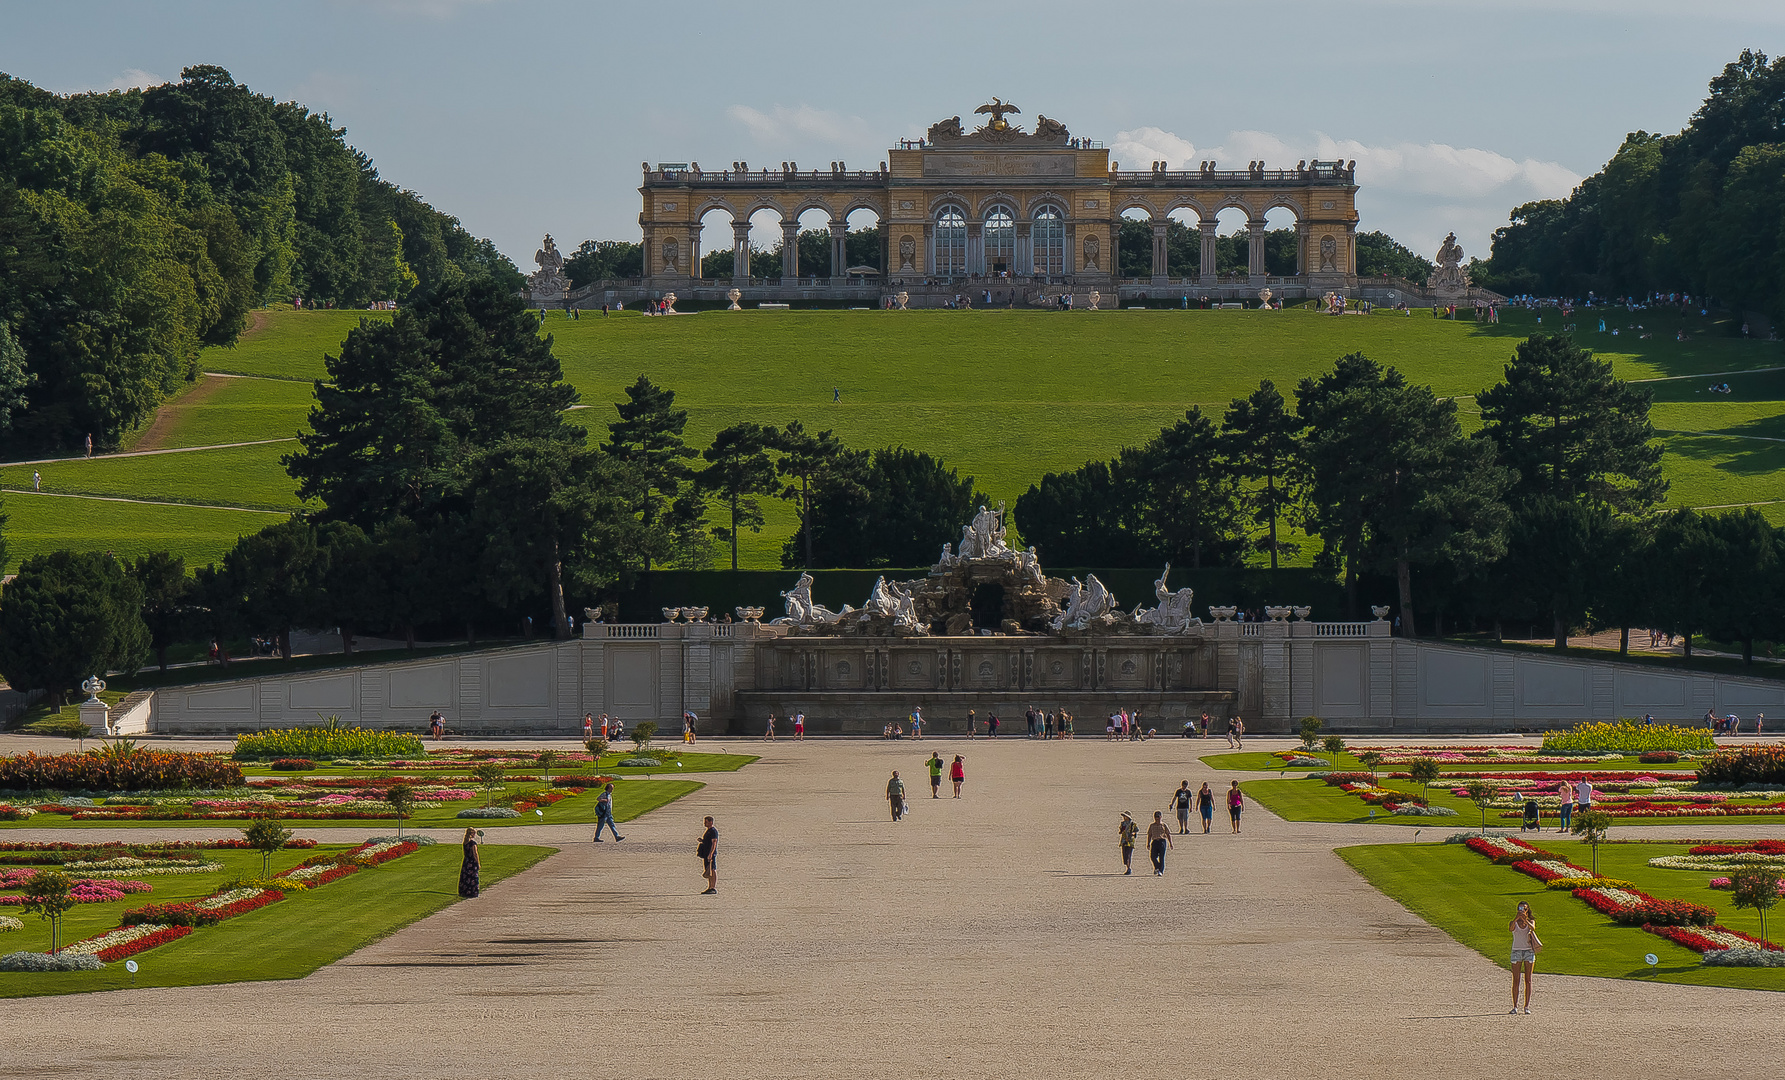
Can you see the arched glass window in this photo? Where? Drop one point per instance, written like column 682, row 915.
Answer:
column 1048, row 238
column 951, row 242
column 1000, row 240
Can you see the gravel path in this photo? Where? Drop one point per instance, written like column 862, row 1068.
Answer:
column 988, row 937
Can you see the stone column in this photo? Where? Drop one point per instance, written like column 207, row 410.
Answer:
column 839, row 251
column 1112, row 256
column 1023, row 255
column 790, row 251
column 740, row 253
column 694, row 232
column 1348, row 254
column 885, row 232
column 1255, row 251
column 1301, row 247
column 1208, row 271
column 1160, row 264
column 975, row 248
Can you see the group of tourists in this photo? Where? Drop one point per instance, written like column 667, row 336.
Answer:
column 1159, row 833
column 1731, row 724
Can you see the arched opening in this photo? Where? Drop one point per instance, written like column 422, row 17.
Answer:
column 949, row 244
column 1136, row 238
column 1281, row 247
column 1183, row 243
column 765, row 244
column 1047, row 242
column 863, row 243
column 1233, row 256
column 717, row 249
column 1000, row 240
column 988, row 606
column 814, row 245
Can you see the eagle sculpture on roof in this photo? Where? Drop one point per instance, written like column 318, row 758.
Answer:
column 998, row 108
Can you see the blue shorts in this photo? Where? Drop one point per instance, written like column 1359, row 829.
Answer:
column 1524, row 956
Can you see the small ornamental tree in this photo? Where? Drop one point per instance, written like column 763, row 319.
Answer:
column 642, row 734
column 1334, row 747
column 545, row 761
column 1370, row 759
column 402, row 801
column 1756, row 887
column 1423, row 770
column 1591, row 826
column 1311, row 726
column 1481, row 793
column 265, row 836
column 489, row 775
column 49, row 894
column 596, row 746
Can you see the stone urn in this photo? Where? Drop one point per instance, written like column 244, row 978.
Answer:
column 1381, row 613
column 734, row 296
column 670, row 613
column 694, row 614
column 749, row 614
column 1302, row 613
column 1095, row 296
column 1222, row 614
column 902, row 299
column 1264, row 297
column 669, row 304
column 1276, row 613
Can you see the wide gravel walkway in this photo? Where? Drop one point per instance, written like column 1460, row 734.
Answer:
column 992, row 936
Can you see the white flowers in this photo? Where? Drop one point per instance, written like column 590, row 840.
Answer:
column 7, row 922
column 1727, row 864
column 124, row 866
column 223, row 900
column 123, row 936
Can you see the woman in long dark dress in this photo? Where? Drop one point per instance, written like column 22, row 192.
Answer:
column 468, row 869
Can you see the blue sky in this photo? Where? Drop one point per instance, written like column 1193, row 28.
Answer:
column 528, row 116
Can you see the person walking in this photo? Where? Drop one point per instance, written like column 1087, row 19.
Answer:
column 957, row 772
column 36, row 480
column 799, row 727
column 1237, row 728
column 991, row 725
column 604, row 814
column 1205, row 724
column 469, row 868
column 588, row 726
column 1181, row 799
column 1126, row 833
column 709, row 857
column 437, row 725
column 970, row 720
column 917, row 722
column 769, row 732
column 1565, row 793
column 1158, row 842
column 1583, row 795
column 935, row 764
column 1235, row 803
column 1525, row 945
column 895, row 794
column 688, row 722
column 1205, row 802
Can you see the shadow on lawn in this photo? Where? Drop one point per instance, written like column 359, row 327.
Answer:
column 1744, row 457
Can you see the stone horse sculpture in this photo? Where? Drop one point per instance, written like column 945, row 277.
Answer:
column 1173, row 612
column 1084, row 602
column 802, row 611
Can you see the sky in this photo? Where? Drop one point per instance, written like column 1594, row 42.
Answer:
column 523, row 117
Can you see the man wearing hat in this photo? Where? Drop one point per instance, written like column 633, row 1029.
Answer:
column 1127, row 831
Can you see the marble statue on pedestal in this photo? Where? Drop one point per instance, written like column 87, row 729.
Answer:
column 1085, row 601
column 548, row 284
column 1448, row 275
column 983, row 538
column 1173, row 612
column 802, row 611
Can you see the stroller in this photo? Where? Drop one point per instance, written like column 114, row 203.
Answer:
column 1530, row 823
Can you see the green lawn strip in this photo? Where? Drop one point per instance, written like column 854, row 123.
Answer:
column 288, row 344
column 691, row 763
column 1472, row 900
column 285, row 940
column 40, row 524
column 236, row 476
column 1262, row 762
column 1307, row 799
column 71, row 711
column 236, row 410
column 632, row 798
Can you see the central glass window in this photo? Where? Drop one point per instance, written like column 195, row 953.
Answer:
column 1048, row 238
column 1000, row 240
column 951, row 242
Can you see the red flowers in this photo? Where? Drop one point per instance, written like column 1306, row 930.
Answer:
column 1758, row 847
column 147, row 941
column 1627, row 907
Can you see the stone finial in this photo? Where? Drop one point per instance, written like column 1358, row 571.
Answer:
column 1381, row 613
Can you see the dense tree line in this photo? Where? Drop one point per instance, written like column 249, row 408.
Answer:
column 136, row 226
column 1699, row 212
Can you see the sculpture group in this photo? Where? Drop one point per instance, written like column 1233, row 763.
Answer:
column 1033, row 603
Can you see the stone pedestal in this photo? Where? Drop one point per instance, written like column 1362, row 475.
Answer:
column 97, row 716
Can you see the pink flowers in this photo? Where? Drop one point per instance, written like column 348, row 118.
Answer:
column 85, row 890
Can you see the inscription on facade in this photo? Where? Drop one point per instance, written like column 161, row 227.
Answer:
column 1005, row 164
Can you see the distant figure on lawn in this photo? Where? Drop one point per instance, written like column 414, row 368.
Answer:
column 468, row 869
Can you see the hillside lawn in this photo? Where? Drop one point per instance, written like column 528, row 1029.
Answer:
column 284, row 940
column 1002, row 396
column 1472, row 900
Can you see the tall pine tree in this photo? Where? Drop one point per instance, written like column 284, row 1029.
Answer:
column 648, row 437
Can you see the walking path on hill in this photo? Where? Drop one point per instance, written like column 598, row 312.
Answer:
column 149, row 453
column 992, row 936
column 144, row 502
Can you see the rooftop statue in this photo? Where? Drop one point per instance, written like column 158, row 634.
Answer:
column 997, row 108
column 1449, row 272
column 549, row 280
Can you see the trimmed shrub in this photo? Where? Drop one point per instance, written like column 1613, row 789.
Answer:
column 37, row 961
column 119, row 767
column 1660, row 757
column 1744, row 956
column 293, row 764
column 1745, row 765
column 487, row 812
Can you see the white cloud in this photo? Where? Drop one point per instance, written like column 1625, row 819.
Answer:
column 1407, row 189
column 784, row 126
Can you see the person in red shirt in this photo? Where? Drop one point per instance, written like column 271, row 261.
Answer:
column 957, row 772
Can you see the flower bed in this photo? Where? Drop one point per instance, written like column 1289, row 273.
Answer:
column 62, row 852
column 1503, row 850
column 1727, row 863
column 1744, row 956
column 85, row 890
column 326, row 741
column 1746, row 765
column 9, row 812
column 293, row 764
column 1629, row 907
column 1551, row 870
column 127, row 941
column 7, row 922
column 1627, row 737
column 1729, row 883
column 1708, row 938
column 98, row 770
column 1660, row 757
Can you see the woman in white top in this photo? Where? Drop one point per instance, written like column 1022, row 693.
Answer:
column 1525, row 944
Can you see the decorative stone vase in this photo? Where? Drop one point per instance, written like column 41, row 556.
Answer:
column 749, row 614
column 1264, row 297
column 903, row 298
column 670, row 613
column 1276, row 614
column 1222, row 614
column 669, row 304
column 1095, row 296
column 734, row 296
column 1302, row 613
column 1381, row 613
column 694, row 614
